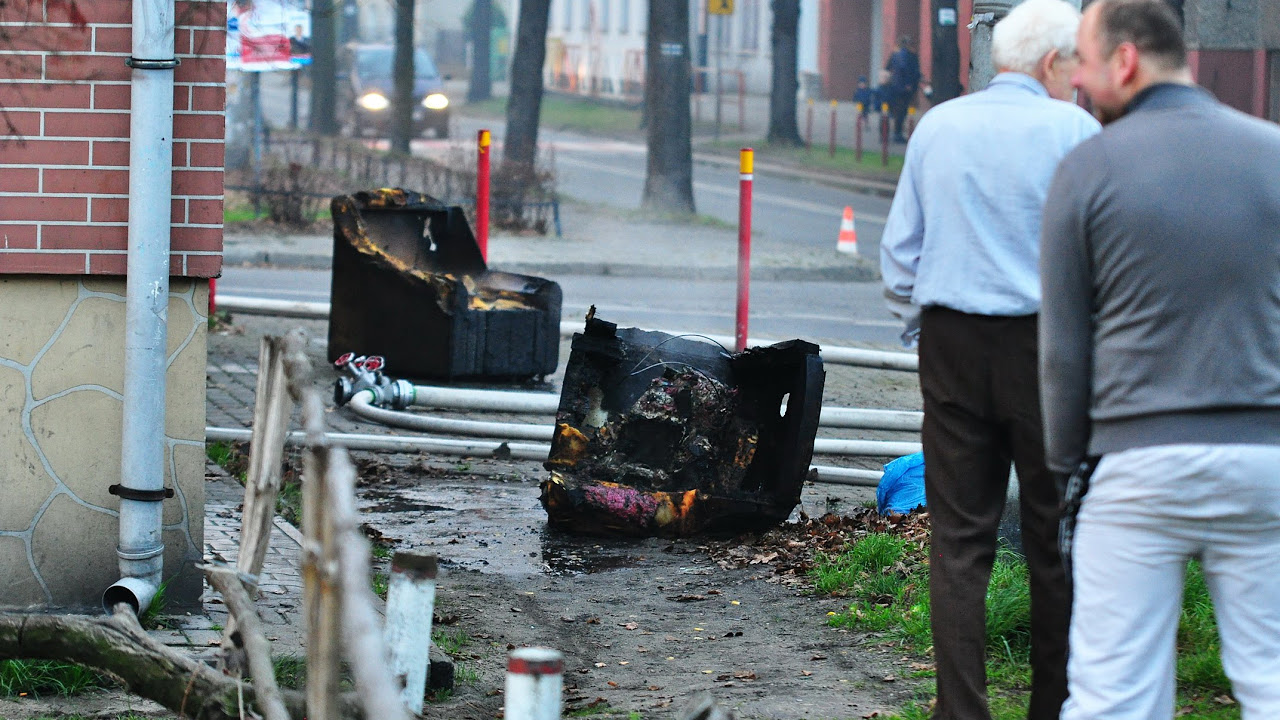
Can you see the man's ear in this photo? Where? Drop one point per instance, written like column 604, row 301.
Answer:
column 1125, row 61
column 1045, row 67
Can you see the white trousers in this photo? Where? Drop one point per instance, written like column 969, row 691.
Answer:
column 1147, row 512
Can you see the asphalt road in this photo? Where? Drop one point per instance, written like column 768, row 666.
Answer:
column 788, row 213
column 833, row 313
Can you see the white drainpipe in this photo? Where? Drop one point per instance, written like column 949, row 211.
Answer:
column 141, row 488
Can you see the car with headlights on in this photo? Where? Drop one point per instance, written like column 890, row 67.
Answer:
column 370, row 90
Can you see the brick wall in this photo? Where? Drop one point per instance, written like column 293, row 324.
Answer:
column 64, row 137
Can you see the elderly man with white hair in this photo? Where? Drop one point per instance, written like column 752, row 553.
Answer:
column 960, row 256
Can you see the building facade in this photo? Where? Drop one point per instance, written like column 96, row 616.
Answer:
column 64, row 211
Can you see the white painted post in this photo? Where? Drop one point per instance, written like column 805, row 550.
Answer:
column 411, row 599
column 534, row 682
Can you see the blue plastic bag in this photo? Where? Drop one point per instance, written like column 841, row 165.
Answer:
column 901, row 488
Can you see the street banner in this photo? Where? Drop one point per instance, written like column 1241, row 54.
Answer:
column 265, row 35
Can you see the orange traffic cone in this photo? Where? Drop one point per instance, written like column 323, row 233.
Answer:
column 848, row 240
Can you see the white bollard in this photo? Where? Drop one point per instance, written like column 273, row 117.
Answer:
column 534, row 682
column 411, row 599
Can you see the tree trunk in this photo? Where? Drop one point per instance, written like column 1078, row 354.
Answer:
column 402, row 105
column 118, row 645
column 946, row 54
column 668, row 183
column 481, row 27
column 785, row 39
column 520, row 144
column 323, row 68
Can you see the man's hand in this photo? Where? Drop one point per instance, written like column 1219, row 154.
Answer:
column 902, row 308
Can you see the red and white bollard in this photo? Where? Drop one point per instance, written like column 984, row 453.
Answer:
column 746, row 163
column 534, row 683
column 411, row 599
column 482, row 195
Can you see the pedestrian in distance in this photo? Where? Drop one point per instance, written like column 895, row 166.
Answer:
column 864, row 96
column 904, row 80
column 959, row 256
column 1160, row 352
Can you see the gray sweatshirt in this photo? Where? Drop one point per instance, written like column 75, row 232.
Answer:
column 1160, row 273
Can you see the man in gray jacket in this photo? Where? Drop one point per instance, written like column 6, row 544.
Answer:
column 1160, row 355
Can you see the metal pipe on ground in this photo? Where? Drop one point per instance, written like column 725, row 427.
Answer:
column 859, row 357
column 481, row 448
column 547, row 404
column 362, row 404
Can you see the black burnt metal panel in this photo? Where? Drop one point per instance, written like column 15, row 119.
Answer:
column 409, row 283
column 666, row 435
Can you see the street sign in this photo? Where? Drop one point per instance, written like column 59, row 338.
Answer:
column 720, row 7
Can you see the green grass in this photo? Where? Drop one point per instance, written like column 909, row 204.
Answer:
column 38, row 678
column 240, row 213
column 381, row 552
column 450, row 642
column 561, row 113
column 380, row 583
column 291, row 671
column 887, row 584
column 219, row 453
column 844, row 161
column 462, row 673
column 153, row 617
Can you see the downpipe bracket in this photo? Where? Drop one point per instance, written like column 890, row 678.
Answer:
column 127, row 493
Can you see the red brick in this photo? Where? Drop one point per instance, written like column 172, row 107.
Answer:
column 209, row 99
column 109, row 210
column 113, row 40
column 207, row 154
column 19, row 237
column 182, row 41
column 202, row 70
column 96, row 12
column 44, row 37
column 202, row 14
column 32, row 95
column 84, row 237
column 182, row 97
column 180, row 154
column 20, row 124
column 202, row 127
column 24, row 151
column 176, row 263
column 178, row 211
column 108, row 96
column 108, row 263
column 196, row 239
column 20, row 67
column 38, row 208
column 110, row 153
column 86, row 124
column 204, row 266
column 87, row 182
column 209, row 42
column 197, row 182
column 43, row 263
column 23, row 180
column 204, row 212
column 22, row 11
column 97, row 68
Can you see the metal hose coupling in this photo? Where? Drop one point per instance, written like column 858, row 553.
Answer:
column 365, row 373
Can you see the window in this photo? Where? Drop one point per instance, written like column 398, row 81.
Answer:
column 568, row 14
column 588, row 13
column 624, row 16
column 604, row 15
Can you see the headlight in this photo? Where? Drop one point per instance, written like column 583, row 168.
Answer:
column 374, row 101
column 435, row 101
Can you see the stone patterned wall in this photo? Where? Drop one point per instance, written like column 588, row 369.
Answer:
column 61, row 385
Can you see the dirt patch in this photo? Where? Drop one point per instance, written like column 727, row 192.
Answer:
column 645, row 624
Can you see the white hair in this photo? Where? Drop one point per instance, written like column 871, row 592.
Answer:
column 1032, row 29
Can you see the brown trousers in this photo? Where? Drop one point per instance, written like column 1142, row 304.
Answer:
column 978, row 375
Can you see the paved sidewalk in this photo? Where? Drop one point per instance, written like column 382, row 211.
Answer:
column 597, row 241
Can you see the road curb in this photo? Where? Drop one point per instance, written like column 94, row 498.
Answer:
column 859, row 272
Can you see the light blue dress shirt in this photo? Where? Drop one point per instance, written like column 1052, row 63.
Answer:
column 964, row 228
